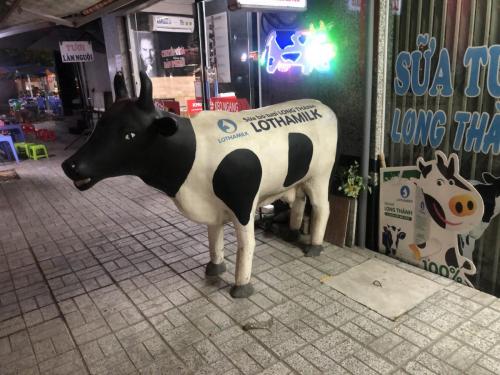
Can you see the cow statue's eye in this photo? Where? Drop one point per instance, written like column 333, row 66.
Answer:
column 451, row 182
column 440, row 182
column 129, row 136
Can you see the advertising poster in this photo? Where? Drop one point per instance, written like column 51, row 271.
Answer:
column 402, row 212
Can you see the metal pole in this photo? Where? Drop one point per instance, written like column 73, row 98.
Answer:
column 365, row 158
column 259, row 15
column 200, row 13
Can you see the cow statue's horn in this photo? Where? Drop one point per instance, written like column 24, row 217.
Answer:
column 145, row 101
column 120, row 87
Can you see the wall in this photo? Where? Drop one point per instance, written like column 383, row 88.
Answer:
column 342, row 87
column 116, row 49
column 98, row 80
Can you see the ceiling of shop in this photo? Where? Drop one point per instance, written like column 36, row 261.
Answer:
column 21, row 15
column 18, row 16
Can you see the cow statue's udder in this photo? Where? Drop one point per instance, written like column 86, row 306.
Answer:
column 218, row 166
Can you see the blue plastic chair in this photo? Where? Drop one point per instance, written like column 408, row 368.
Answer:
column 6, row 140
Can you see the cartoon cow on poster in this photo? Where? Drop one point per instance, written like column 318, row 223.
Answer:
column 391, row 237
column 219, row 166
column 455, row 207
column 489, row 189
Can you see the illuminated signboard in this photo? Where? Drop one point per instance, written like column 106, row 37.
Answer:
column 307, row 50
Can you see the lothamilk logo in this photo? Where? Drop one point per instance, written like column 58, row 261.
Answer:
column 229, row 127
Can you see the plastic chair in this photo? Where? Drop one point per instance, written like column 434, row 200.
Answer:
column 23, row 148
column 38, row 151
column 7, row 140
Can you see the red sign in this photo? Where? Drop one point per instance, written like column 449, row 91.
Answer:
column 167, row 105
column 194, row 106
column 229, row 104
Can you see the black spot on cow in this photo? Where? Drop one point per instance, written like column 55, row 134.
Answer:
column 451, row 257
column 236, row 182
column 300, row 151
column 172, row 158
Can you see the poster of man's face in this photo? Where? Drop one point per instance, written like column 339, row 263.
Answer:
column 147, row 53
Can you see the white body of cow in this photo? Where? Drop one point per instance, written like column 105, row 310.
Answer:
column 196, row 197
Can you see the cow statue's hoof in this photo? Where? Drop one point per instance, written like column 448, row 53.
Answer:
column 313, row 250
column 241, row 291
column 292, row 235
column 215, row 269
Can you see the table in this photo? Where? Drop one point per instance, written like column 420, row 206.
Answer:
column 15, row 130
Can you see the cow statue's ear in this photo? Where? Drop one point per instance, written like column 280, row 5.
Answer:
column 145, row 100
column 488, row 178
column 166, row 126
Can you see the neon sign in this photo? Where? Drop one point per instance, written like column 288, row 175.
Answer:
column 308, row 50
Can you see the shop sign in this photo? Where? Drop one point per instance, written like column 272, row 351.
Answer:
column 229, row 104
column 194, row 106
column 269, row 4
column 305, row 50
column 172, row 24
column 77, row 51
column 425, row 210
column 472, row 131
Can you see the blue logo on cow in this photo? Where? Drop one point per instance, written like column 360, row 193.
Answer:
column 227, row 126
column 405, row 191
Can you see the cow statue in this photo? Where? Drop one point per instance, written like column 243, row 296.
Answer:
column 455, row 207
column 218, row 167
column 390, row 238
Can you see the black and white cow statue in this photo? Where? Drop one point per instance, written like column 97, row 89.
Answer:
column 218, row 167
column 455, row 208
column 390, row 238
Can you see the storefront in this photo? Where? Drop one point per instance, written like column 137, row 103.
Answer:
column 442, row 93
column 435, row 87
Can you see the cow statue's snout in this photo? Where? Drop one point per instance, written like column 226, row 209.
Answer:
column 463, row 205
column 72, row 169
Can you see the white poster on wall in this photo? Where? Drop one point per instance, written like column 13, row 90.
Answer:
column 270, row 4
column 218, row 45
column 77, row 51
column 402, row 212
column 173, row 24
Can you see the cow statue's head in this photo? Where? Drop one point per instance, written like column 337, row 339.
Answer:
column 453, row 203
column 121, row 141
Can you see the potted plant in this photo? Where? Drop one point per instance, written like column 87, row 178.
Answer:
column 341, row 226
column 351, row 186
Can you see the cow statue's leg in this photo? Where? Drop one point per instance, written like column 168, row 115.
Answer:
column 216, row 266
column 244, row 256
column 317, row 191
column 296, row 215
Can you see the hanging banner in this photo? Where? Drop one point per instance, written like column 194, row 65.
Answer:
column 77, row 51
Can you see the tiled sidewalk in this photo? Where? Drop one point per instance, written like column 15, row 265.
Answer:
column 111, row 281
